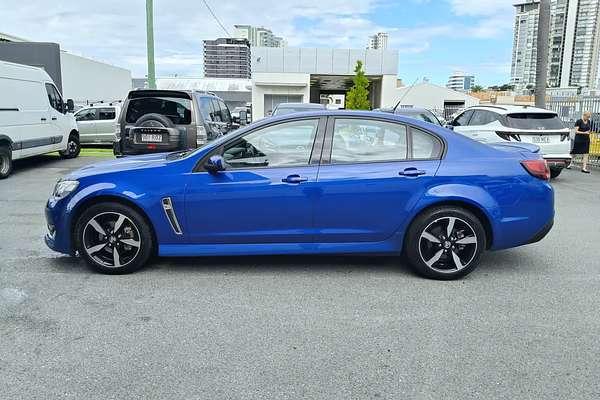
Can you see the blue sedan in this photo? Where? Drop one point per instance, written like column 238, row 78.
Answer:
column 324, row 182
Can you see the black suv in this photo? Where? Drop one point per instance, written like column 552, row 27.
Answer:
column 168, row 120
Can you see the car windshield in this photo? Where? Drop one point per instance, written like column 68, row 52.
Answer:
column 535, row 121
column 176, row 109
column 423, row 116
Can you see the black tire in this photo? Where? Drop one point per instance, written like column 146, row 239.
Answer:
column 555, row 172
column 73, row 147
column 164, row 121
column 134, row 228
column 457, row 254
column 6, row 164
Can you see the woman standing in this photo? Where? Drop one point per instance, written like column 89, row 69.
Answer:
column 581, row 144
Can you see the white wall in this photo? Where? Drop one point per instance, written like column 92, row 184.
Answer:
column 389, row 96
column 278, row 84
column 89, row 80
column 431, row 96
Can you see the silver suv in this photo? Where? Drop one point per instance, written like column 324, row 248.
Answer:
column 497, row 123
column 155, row 121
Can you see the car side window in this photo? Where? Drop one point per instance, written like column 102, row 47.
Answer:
column 53, row 97
column 205, row 108
column 463, row 119
column 285, row 144
column 482, row 117
column 90, row 114
column 225, row 112
column 216, row 116
column 358, row 140
column 424, row 145
column 107, row 113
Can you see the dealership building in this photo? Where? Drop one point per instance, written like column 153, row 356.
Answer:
column 309, row 75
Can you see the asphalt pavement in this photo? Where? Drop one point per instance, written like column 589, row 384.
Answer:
column 524, row 325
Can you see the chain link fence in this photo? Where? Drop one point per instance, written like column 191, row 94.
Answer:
column 572, row 109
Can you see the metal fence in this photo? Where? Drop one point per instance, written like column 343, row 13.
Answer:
column 571, row 109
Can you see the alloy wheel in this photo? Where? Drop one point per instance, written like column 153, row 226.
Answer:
column 111, row 239
column 72, row 147
column 448, row 244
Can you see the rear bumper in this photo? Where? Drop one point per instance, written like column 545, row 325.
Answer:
column 558, row 161
column 542, row 233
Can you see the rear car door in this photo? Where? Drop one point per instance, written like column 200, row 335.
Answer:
column 105, row 127
column 372, row 174
column 483, row 126
column 266, row 194
column 86, row 124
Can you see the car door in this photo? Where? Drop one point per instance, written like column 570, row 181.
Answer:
column 372, row 174
column 460, row 124
column 105, row 126
column 86, row 119
column 482, row 127
column 45, row 139
column 267, row 192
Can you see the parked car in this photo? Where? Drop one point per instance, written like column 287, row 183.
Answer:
column 289, row 108
column 154, row 121
column 321, row 182
column 97, row 123
column 414, row 112
column 33, row 117
column 511, row 123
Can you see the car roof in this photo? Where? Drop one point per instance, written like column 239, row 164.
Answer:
column 510, row 109
column 301, row 105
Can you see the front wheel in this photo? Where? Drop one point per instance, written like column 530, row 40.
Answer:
column 555, row 172
column 5, row 162
column 445, row 243
column 73, row 147
column 113, row 238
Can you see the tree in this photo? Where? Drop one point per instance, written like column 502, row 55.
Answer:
column 477, row 88
column 357, row 97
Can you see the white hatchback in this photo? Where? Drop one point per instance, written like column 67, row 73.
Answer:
column 497, row 123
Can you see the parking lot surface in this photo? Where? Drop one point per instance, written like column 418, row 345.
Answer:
column 524, row 325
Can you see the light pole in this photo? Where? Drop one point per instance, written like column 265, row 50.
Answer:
column 150, row 44
column 541, row 68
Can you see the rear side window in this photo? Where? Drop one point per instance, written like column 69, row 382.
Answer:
column 482, row 117
column 107, row 113
column 205, row 108
column 424, row 145
column 356, row 141
column 178, row 110
column 91, row 114
column 463, row 119
column 534, row 121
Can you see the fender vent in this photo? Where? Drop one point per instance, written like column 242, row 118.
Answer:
column 170, row 212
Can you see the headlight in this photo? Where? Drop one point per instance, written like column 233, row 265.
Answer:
column 64, row 188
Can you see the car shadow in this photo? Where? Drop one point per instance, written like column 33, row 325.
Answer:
column 46, row 160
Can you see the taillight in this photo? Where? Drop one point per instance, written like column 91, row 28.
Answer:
column 537, row 168
column 509, row 136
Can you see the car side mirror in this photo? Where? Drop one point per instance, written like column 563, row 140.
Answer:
column 215, row 164
column 243, row 118
column 450, row 126
column 70, row 105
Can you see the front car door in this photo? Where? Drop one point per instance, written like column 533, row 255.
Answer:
column 86, row 119
column 372, row 174
column 483, row 126
column 266, row 194
column 48, row 137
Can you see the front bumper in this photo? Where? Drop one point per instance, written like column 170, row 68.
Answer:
column 58, row 237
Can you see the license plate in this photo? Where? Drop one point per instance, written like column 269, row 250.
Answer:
column 148, row 137
column 540, row 139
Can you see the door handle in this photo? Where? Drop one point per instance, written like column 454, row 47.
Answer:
column 294, row 179
column 412, row 172
column 53, row 118
column 43, row 119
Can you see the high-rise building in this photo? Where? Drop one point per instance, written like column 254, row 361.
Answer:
column 574, row 43
column 258, row 36
column 227, row 58
column 378, row 41
column 461, row 82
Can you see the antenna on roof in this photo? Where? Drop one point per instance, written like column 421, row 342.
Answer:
column 407, row 91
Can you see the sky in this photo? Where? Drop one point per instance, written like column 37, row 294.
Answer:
column 433, row 37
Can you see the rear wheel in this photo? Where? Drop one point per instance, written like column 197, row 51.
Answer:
column 113, row 238
column 5, row 161
column 555, row 172
column 445, row 243
column 73, row 147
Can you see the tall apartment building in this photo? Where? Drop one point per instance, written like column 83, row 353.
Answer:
column 258, row 36
column 461, row 82
column 573, row 46
column 227, row 58
column 378, row 41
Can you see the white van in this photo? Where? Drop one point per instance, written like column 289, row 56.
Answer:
column 33, row 117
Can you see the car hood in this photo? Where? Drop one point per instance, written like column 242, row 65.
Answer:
column 128, row 163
